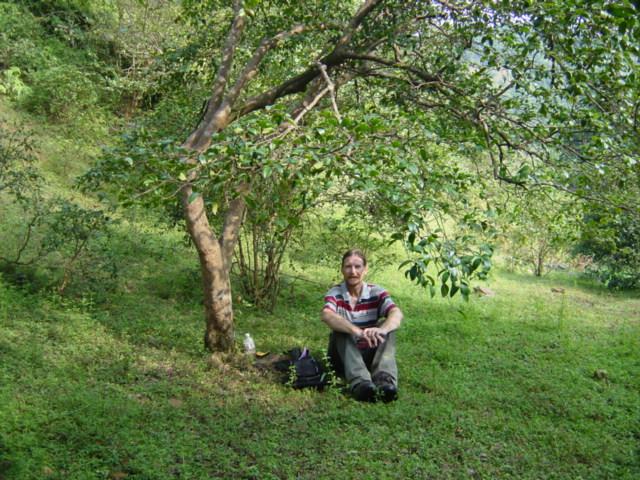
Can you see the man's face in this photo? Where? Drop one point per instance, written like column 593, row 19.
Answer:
column 353, row 270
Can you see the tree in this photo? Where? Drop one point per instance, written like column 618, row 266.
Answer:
column 540, row 228
column 545, row 94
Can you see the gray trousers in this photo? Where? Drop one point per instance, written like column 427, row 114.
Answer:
column 362, row 365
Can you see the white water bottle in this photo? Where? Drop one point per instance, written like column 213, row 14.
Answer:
column 249, row 345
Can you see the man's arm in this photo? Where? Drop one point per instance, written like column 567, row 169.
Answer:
column 339, row 324
column 393, row 321
column 376, row 335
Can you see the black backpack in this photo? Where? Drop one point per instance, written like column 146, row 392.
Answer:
column 301, row 370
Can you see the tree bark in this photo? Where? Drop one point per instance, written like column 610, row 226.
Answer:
column 215, row 268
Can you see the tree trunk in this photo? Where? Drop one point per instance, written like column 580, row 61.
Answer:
column 219, row 332
column 215, row 266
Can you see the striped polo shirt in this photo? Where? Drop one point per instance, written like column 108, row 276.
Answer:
column 374, row 302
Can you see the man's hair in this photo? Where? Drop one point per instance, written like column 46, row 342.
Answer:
column 354, row 252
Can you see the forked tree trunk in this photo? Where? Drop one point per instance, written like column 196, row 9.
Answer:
column 215, row 261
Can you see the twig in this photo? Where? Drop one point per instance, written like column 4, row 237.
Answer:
column 332, row 90
column 25, row 242
column 289, row 126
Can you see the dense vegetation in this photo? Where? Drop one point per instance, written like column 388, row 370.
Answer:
column 475, row 144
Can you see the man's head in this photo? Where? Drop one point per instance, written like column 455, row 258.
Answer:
column 354, row 267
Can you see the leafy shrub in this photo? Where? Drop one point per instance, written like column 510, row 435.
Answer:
column 326, row 238
column 50, row 65
column 11, row 83
column 18, row 175
column 57, row 244
column 15, row 23
column 62, row 92
column 66, row 19
column 612, row 241
column 18, row 31
column 540, row 228
column 47, row 242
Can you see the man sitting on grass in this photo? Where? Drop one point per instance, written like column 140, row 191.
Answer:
column 359, row 343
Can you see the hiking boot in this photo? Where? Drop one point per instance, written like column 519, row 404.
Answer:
column 386, row 387
column 364, row 392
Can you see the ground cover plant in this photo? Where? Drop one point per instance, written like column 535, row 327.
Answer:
column 529, row 383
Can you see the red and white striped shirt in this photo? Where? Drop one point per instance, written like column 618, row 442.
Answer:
column 374, row 302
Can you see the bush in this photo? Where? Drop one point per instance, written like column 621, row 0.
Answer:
column 612, row 241
column 58, row 244
column 47, row 242
column 62, row 92
column 18, row 174
column 18, row 34
column 11, row 83
column 48, row 73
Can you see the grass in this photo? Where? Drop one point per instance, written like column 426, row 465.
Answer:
column 526, row 384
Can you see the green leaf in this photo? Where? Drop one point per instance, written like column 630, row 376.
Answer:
column 413, row 272
column 444, row 289
column 405, row 263
column 193, row 196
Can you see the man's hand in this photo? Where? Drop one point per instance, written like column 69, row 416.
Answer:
column 374, row 336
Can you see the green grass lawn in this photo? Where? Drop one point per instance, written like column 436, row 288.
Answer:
column 525, row 384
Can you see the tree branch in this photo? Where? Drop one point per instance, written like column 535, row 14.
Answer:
column 233, row 219
column 289, row 126
column 25, row 242
column 251, row 68
column 425, row 77
column 233, row 39
column 365, row 9
column 332, row 90
column 299, row 82
column 198, row 140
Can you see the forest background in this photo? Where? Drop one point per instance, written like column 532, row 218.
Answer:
column 483, row 154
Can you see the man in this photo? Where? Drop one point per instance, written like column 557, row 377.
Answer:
column 363, row 345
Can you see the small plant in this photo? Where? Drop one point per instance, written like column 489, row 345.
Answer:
column 11, row 83
column 18, row 174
